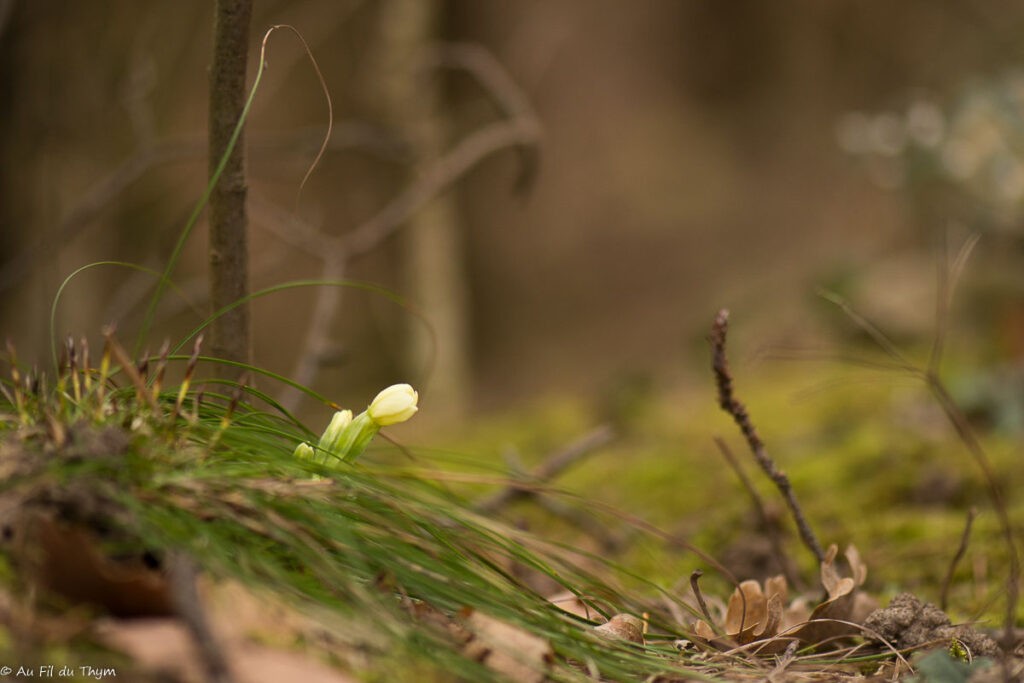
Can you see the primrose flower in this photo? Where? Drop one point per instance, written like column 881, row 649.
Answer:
column 304, row 451
column 395, row 404
column 346, row 437
column 332, row 436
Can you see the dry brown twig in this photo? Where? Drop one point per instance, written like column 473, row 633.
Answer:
column 149, row 156
column 182, row 574
column 530, row 486
column 932, row 378
column 770, row 529
column 520, row 130
column 730, row 404
column 960, row 552
column 526, row 485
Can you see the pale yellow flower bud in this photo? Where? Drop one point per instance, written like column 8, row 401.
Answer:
column 395, row 404
column 304, row 451
column 332, row 435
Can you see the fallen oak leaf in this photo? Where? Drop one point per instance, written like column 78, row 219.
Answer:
column 506, row 649
column 842, row 604
column 571, row 603
column 622, row 627
column 759, row 616
column 753, row 614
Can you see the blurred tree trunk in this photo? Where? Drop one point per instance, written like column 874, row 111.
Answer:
column 228, row 244
column 410, row 100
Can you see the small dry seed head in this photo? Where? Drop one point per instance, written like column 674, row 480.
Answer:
column 86, row 369
column 15, row 374
column 130, row 369
column 190, row 370
column 236, row 397
column 161, row 367
column 196, row 403
column 76, row 385
column 142, row 365
column 101, row 380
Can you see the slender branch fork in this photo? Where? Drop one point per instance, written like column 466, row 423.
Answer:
column 930, row 375
column 730, row 404
column 520, row 129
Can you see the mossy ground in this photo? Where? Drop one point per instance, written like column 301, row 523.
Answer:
column 870, row 455
column 396, row 546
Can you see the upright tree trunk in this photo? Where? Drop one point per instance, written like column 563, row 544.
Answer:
column 410, row 100
column 228, row 245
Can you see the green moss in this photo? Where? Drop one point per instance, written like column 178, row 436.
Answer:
column 872, row 462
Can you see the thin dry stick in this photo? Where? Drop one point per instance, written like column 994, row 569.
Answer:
column 949, row 274
column 697, row 593
column 961, row 425
column 526, row 485
column 734, row 407
column 507, row 95
column 529, row 486
column 473, row 149
column 770, row 529
column 960, row 551
column 449, row 168
column 89, row 206
column 967, row 436
column 101, row 194
column 182, row 574
column 589, row 525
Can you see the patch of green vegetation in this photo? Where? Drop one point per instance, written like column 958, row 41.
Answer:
column 138, row 469
column 872, row 462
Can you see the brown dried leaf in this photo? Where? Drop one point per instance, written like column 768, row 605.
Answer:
column 829, row 575
column 623, row 627
column 823, row 623
column 796, row 613
column 67, row 559
column 746, row 611
column 568, row 601
column 508, row 650
column 758, row 615
column 776, row 585
column 164, row 646
column 703, row 630
column 773, row 617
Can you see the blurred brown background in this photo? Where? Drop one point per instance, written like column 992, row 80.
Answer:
column 675, row 157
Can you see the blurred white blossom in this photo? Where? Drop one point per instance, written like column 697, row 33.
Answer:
column 973, row 142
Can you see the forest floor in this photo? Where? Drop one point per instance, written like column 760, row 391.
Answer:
column 608, row 508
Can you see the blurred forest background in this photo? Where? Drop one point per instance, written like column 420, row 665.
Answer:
column 604, row 176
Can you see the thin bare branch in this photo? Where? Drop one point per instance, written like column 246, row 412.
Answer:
column 869, row 328
column 967, row 436
column 98, row 197
column 509, row 97
column 931, row 375
column 449, row 168
column 520, row 130
column 530, row 486
column 949, row 276
column 550, row 468
column 770, row 528
column 317, row 342
column 182, row 574
column 960, row 552
column 730, row 404
column 697, row 593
